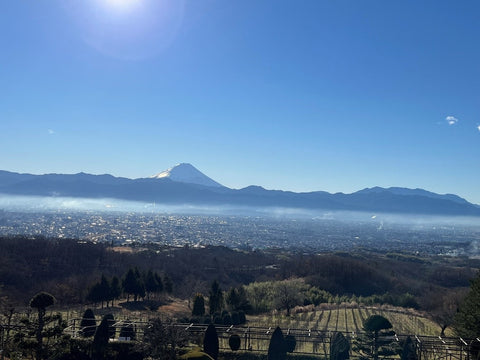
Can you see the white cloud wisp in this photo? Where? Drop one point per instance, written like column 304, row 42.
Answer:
column 451, row 120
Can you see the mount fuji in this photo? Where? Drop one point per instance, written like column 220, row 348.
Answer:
column 186, row 173
column 183, row 184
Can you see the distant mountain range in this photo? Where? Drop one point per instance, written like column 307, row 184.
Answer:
column 184, row 184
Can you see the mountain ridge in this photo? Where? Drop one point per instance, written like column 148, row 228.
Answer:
column 168, row 190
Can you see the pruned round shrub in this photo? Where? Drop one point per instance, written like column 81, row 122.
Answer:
column 234, row 342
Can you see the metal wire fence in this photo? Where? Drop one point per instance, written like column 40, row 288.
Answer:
column 308, row 341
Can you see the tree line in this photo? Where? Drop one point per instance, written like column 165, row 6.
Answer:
column 139, row 285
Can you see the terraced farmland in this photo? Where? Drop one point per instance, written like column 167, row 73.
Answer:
column 347, row 319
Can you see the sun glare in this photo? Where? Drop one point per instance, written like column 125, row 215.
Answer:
column 122, row 4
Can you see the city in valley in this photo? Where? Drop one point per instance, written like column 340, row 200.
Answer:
column 329, row 232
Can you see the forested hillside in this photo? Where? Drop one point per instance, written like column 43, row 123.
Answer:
column 69, row 268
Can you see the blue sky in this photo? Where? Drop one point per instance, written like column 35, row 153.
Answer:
column 292, row 95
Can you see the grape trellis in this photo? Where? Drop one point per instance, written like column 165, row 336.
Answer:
column 313, row 340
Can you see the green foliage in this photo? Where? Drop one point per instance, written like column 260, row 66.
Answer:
column 215, row 300
column 377, row 339
column 467, row 319
column 234, row 342
column 115, row 288
column 277, row 348
column 196, row 355
column 153, row 283
column 290, row 343
column 227, row 319
column 133, row 284
column 104, row 291
column 167, row 284
column 242, row 317
column 235, row 318
column 237, row 300
column 316, row 296
column 161, row 340
column 210, row 342
column 270, row 295
column 375, row 323
column 88, row 325
column 95, row 294
column 198, row 305
column 100, row 339
column 38, row 337
column 339, row 347
column 409, row 351
column 41, row 301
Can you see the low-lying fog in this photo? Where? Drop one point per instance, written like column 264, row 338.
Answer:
column 38, row 203
column 124, row 222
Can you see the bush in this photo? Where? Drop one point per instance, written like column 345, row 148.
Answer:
column 234, row 342
column 197, row 355
column 227, row 319
column 235, row 318
column 290, row 343
column 242, row 317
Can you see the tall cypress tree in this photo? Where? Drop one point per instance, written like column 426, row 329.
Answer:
column 104, row 290
column 198, row 305
column 151, row 283
column 88, row 325
column 409, row 351
column 210, row 342
column 115, row 289
column 128, row 283
column 100, row 340
column 215, row 300
column 277, row 348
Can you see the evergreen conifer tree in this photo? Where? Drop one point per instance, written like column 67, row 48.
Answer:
column 115, row 289
column 167, row 284
column 277, row 348
column 467, row 319
column 339, row 347
column 151, row 284
column 198, row 305
column 215, row 300
column 88, row 325
column 210, row 342
column 100, row 340
column 40, row 302
column 409, row 352
column 377, row 339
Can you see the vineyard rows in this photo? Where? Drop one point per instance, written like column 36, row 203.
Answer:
column 349, row 319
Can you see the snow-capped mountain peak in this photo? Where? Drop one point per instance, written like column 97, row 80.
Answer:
column 186, row 173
